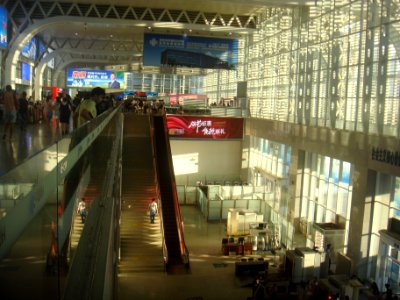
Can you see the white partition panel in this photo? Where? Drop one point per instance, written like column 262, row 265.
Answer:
column 241, row 204
column 214, row 210
column 248, row 192
column 191, row 192
column 255, row 205
column 226, row 192
column 237, row 192
column 213, row 191
column 180, row 190
column 226, row 205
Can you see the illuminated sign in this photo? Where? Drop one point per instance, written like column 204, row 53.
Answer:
column 29, row 49
column 25, row 71
column 204, row 127
column 94, row 78
column 3, row 27
column 190, row 51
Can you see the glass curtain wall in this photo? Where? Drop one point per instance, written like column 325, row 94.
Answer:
column 387, row 206
column 269, row 167
column 332, row 64
column 327, row 193
column 165, row 83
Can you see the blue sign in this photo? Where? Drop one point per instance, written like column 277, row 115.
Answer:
column 42, row 49
column 93, row 78
column 25, row 71
column 3, row 27
column 189, row 51
column 151, row 94
column 29, row 49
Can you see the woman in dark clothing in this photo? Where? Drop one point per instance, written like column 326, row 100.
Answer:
column 23, row 111
column 65, row 113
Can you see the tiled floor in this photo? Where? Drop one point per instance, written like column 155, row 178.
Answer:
column 211, row 276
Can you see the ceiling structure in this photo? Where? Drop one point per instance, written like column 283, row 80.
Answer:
column 110, row 27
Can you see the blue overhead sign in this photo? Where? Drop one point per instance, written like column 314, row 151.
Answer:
column 3, row 27
column 29, row 49
column 190, row 51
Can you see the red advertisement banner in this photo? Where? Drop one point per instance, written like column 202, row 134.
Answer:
column 203, row 127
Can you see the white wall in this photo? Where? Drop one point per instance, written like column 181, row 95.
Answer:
column 206, row 160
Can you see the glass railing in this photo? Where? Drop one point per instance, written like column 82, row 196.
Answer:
column 38, row 199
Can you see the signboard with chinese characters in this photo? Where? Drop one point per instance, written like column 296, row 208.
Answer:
column 94, row 78
column 204, row 127
column 189, row 51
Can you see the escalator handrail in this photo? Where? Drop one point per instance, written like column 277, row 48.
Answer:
column 164, row 245
column 183, row 248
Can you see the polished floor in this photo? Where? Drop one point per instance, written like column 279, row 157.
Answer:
column 24, row 144
column 211, row 276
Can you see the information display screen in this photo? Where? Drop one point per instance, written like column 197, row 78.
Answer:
column 94, row 78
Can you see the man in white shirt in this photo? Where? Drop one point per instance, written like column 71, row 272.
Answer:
column 153, row 210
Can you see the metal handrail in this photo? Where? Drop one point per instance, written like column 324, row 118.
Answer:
column 164, row 245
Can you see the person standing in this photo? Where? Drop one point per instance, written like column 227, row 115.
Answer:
column 10, row 111
column 65, row 113
column 86, row 110
column 153, row 210
column 23, row 111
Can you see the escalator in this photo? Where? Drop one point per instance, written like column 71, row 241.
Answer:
column 177, row 257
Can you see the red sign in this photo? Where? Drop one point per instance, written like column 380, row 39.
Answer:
column 204, row 127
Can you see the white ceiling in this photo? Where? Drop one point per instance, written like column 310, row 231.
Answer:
column 241, row 7
column 124, row 35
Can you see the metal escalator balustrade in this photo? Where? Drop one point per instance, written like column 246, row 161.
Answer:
column 178, row 255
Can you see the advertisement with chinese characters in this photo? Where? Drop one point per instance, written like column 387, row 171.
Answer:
column 3, row 27
column 93, row 78
column 190, row 51
column 204, row 127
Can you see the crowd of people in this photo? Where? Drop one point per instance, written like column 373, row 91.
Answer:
column 140, row 106
column 21, row 110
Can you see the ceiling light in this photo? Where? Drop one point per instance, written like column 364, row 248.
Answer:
column 149, row 27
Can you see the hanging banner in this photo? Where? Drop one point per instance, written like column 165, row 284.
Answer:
column 190, row 51
column 203, row 127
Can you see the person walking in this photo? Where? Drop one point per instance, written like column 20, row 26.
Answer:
column 82, row 210
column 10, row 111
column 153, row 210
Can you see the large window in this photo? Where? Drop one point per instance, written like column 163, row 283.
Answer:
column 327, row 191
column 333, row 64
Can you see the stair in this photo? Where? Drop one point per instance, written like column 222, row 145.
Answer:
column 140, row 241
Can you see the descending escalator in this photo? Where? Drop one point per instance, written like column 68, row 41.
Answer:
column 177, row 254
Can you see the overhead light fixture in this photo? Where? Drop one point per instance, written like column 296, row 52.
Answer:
column 149, row 27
